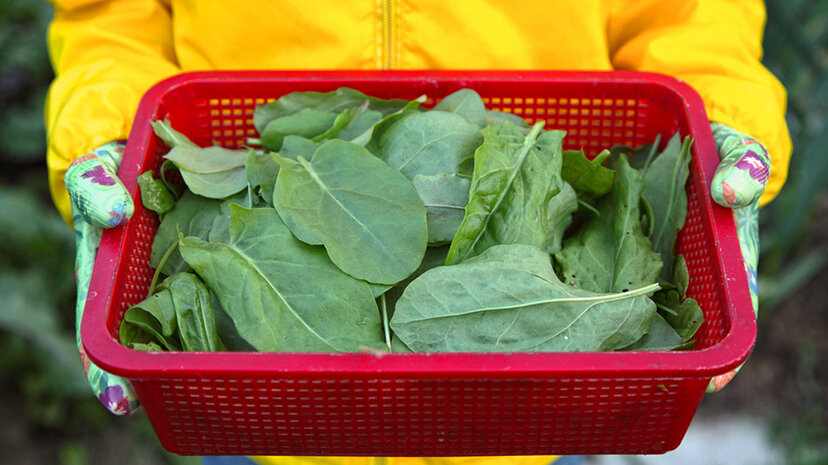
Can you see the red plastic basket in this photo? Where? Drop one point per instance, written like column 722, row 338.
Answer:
column 429, row 404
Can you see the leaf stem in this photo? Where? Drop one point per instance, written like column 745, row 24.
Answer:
column 160, row 267
column 385, row 327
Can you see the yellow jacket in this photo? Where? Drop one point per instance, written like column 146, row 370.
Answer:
column 107, row 53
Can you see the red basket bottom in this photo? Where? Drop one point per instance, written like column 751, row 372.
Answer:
column 398, row 417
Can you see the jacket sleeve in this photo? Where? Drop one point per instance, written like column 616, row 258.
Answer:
column 716, row 47
column 105, row 55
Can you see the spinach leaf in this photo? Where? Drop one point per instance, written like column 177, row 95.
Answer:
column 226, row 329
column 280, row 292
column 171, row 177
column 366, row 214
column 170, row 136
column 445, row 197
column 429, row 143
column 515, row 179
column 177, row 317
column 610, row 253
column 500, row 117
column 509, row 299
column 213, row 172
column 332, row 102
column 155, row 195
column 664, row 190
column 192, row 215
column 685, row 316
column 220, row 229
column 152, row 320
column 298, row 146
column 193, row 313
column 261, row 172
column 466, row 103
column 585, row 175
column 370, row 136
column 308, row 122
column 559, row 213
column 361, row 126
column 660, row 336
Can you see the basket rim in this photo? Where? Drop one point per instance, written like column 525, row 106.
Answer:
column 720, row 358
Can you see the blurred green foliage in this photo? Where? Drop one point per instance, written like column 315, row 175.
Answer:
column 796, row 51
column 40, row 363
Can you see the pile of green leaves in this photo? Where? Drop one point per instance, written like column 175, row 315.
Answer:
column 370, row 224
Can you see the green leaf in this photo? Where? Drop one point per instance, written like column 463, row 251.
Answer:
column 193, row 313
column 466, row 103
column 361, row 126
column 685, row 316
column 307, row 122
column 370, row 137
column 151, row 320
column 509, row 299
column 333, row 102
column 445, row 197
column 586, row 175
column 154, row 194
column 660, row 336
column 500, row 117
column 192, row 215
column 559, row 213
column 429, row 143
column 213, row 172
column 664, row 190
column 297, row 146
column 515, row 180
column 220, row 229
column 366, row 214
column 261, row 171
column 342, row 120
column 170, row 136
column 177, row 188
column 280, row 295
column 610, row 253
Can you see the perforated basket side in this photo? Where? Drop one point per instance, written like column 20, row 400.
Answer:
column 358, row 404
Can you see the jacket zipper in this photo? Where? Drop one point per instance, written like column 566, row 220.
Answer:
column 389, row 58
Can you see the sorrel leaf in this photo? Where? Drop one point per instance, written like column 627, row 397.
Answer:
column 193, row 313
column 308, row 122
column 445, row 197
column 466, row 103
column 610, row 253
column 334, row 102
column 192, row 215
column 213, row 172
column 155, row 195
column 429, row 143
column 664, row 189
column 586, row 175
column 508, row 299
column 366, row 214
column 280, row 295
column 515, row 179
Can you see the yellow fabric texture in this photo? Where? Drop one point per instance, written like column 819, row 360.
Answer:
column 106, row 54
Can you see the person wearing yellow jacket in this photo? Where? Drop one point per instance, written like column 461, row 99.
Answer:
column 106, row 54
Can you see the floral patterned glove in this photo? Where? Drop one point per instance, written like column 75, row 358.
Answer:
column 99, row 200
column 738, row 183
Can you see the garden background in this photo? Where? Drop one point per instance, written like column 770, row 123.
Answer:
column 48, row 416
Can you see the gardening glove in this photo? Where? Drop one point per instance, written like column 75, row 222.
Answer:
column 738, row 183
column 99, row 200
